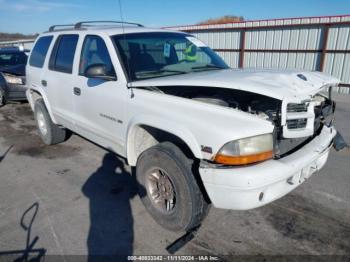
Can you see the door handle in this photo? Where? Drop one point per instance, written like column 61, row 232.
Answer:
column 77, row 91
column 44, row 82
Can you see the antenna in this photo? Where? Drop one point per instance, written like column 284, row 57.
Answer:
column 121, row 15
column 127, row 60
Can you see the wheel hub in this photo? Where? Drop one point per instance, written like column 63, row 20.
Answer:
column 41, row 123
column 161, row 190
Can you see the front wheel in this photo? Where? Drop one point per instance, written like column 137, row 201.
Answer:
column 2, row 98
column 168, row 188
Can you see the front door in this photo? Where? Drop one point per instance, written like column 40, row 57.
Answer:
column 100, row 104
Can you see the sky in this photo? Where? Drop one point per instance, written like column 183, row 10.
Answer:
column 35, row 16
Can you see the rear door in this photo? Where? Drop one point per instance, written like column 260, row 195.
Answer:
column 36, row 65
column 59, row 78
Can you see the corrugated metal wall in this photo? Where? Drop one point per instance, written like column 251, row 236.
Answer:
column 314, row 43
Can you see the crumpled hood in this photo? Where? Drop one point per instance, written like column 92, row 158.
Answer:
column 278, row 84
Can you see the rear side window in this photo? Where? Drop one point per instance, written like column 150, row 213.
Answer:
column 37, row 57
column 62, row 56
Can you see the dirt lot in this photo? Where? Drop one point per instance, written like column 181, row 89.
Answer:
column 86, row 203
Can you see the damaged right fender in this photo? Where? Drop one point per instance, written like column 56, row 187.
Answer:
column 200, row 125
column 162, row 124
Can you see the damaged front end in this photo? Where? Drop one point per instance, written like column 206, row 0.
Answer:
column 302, row 121
column 297, row 122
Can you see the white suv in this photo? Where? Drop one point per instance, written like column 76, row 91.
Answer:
column 197, row 131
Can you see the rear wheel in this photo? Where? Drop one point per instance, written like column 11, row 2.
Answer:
column 168, row 188
column 49, row 132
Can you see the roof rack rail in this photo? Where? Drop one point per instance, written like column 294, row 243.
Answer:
column 80, row 24
column 52, row 28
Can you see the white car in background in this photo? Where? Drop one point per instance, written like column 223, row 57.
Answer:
column 197, row 131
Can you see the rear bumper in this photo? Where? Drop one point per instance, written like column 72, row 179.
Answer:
column 249, row 187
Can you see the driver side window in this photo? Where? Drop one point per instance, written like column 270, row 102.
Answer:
column 94, row 52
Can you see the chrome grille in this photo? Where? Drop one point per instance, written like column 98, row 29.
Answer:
column 297, row 108
column 297, row 123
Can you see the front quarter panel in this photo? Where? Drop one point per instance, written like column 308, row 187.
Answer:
column 196, row 123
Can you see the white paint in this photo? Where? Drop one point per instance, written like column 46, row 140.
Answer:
column 196, row 123
column 239, row 188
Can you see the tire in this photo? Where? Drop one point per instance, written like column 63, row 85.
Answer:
column 50, row 133
column 2, row 98
column 189, row 207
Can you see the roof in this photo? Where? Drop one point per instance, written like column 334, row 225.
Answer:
column 108, row 27
column 114, row 30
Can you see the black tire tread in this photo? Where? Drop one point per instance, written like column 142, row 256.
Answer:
column 3, row 102
column 199, row 205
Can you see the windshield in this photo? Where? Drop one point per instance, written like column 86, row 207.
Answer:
column 11, row 59
column 150, row 55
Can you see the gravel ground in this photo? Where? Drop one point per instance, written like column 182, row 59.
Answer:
column 78, row 199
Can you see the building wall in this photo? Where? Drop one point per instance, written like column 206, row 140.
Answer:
column 313, row 43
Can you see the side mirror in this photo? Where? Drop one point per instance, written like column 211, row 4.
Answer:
column 99, row 71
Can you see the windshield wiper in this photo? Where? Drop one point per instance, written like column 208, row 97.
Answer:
column 208, row 66
column 173, row 71
column 163, row 71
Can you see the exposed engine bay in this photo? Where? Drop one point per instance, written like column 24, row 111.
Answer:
column 265, row 107
column 256, row 104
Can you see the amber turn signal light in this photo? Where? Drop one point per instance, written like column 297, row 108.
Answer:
column 243, row 160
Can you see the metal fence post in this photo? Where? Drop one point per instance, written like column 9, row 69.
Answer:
column 324, row 46
column 242, row 49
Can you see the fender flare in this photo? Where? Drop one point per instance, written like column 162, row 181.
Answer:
column 40, row 91
column 162, row 124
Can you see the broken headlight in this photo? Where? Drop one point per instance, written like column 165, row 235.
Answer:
column 246, row 151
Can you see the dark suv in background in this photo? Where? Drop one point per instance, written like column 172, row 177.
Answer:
column 12, row 74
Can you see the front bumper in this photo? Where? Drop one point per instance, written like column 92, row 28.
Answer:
column 16, row 92
column 243, row 188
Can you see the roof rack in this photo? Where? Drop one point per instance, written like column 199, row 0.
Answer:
column 80, row 24
column 52, row 28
